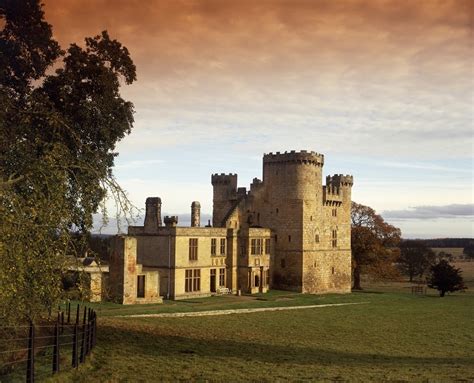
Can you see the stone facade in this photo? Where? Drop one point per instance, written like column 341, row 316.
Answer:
column 289, row 231
column 130, row 282
column 310, row 221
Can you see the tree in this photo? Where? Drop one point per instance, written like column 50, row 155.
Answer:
column 415, row 258
column 57, row 140
column 445, row 278
column 374, row 243
column 468, row 251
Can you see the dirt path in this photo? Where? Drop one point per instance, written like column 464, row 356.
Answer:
column 234, row 311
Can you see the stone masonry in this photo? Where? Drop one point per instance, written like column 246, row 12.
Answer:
column 310, row 221
column 289, row 231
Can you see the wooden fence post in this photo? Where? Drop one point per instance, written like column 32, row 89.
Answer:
column 68, row 312
column 77, row 314
column 30, row 366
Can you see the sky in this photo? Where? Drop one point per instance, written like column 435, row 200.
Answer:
column 383, row 88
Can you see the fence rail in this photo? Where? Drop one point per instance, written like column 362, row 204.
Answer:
column 51, row 344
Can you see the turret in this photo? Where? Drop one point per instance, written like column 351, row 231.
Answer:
column 195, row 214
column 171, row 221
column 338, row 189
column 293, row 175
column 224, row 196
column 153, row 214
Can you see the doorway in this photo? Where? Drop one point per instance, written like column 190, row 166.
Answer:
column 213, row 280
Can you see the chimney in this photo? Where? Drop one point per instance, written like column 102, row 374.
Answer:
column 195, row 214
column 153, row 214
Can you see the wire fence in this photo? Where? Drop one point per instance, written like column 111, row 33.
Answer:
column 36, row 351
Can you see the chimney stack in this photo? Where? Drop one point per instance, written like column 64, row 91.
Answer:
column 195, row 214
column 153, row 214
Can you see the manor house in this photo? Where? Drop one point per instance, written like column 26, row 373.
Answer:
column 289, row 231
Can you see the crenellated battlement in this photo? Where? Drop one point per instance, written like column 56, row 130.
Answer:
column 338, row 180
column 256, row 184
column 171, row 221
column 223, row 179
column 332, row 195
column 303, row 157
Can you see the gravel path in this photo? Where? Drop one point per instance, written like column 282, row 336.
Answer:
column 234, row 311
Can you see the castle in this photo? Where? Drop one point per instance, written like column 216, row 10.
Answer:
column 289, row 231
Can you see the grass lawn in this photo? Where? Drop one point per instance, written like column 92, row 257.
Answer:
column 397, row 336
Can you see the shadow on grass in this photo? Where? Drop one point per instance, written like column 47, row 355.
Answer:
column 368, row 292
column 133, row 344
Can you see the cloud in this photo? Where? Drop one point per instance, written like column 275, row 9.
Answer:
column 423, row 166
column 352, row 76
column 431, row 212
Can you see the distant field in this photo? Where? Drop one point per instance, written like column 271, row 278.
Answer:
column 396, row 337
column 457, row 252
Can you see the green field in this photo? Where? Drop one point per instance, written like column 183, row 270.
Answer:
column 395, row 336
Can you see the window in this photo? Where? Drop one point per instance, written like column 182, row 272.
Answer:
column 213, row 246
column 267, row 277
column 256, row 246
column 193, row 249
column 188, row 281
column 140, row 286
column 334, row 238
column 282, row 263
column 276, row 238
column 289, row 238
column 196, row 280
column 334, row 212
column 192, row 280
column 267, row 245
column 316, row 238
column 222, row 246
column 221, row 277
column 277, row 210
column 333, row 270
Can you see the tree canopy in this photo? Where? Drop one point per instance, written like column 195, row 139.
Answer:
column 57, row 141
column 445, row 278
column 374, row 243
column 468, row 251
column 415, row 258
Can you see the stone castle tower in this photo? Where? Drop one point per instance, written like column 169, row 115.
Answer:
column 310, row 221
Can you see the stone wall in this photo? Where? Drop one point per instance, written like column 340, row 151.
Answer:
column 304, row 216
column 124, row 271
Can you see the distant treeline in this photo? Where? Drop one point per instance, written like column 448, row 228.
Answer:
column 447, row 242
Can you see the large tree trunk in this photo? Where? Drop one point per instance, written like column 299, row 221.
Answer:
column 357, row 279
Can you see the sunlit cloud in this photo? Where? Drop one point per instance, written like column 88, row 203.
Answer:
column 222, row 82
